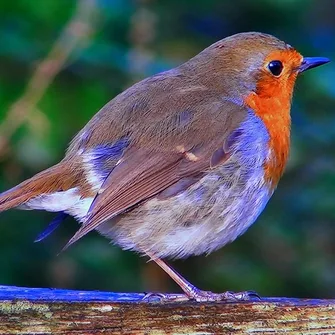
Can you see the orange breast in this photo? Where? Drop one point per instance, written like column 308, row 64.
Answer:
column 272, row 104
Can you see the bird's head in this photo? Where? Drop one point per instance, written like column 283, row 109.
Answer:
column 253, row 62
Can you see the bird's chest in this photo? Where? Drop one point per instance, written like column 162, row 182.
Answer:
column 274, row 113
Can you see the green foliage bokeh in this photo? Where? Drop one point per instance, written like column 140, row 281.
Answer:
column 290, row 251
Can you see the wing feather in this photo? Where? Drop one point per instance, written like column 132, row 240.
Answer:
column 122, row 191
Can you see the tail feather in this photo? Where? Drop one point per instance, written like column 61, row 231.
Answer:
column 48, row 181
column 53, row 225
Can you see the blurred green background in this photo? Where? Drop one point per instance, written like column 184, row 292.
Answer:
column 104, row 46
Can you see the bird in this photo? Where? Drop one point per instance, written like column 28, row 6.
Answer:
column 183, row 162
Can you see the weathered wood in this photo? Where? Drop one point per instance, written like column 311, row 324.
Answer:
column 53, row 311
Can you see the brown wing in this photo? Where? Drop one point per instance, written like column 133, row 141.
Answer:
column 141, row 175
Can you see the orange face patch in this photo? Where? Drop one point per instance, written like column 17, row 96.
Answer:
column 272, row 103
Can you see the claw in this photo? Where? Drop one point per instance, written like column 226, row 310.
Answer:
column 165, row 297
column 241, row 296
column 155, row 295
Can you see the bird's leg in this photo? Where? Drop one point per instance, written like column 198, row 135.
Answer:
column 192, row 292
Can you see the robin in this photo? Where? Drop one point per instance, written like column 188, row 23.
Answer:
column 182, row 162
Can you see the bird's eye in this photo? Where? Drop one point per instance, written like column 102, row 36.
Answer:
column 275, row 67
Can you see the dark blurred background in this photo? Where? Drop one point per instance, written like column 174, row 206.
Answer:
column 60, row 61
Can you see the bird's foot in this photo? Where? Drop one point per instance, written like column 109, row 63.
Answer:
column 193, row 293
column 203, row 296
column 208, row 296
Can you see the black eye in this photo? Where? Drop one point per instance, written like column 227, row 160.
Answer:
column 275, row 67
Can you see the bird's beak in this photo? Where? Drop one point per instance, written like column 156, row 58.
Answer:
column 310, row 62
